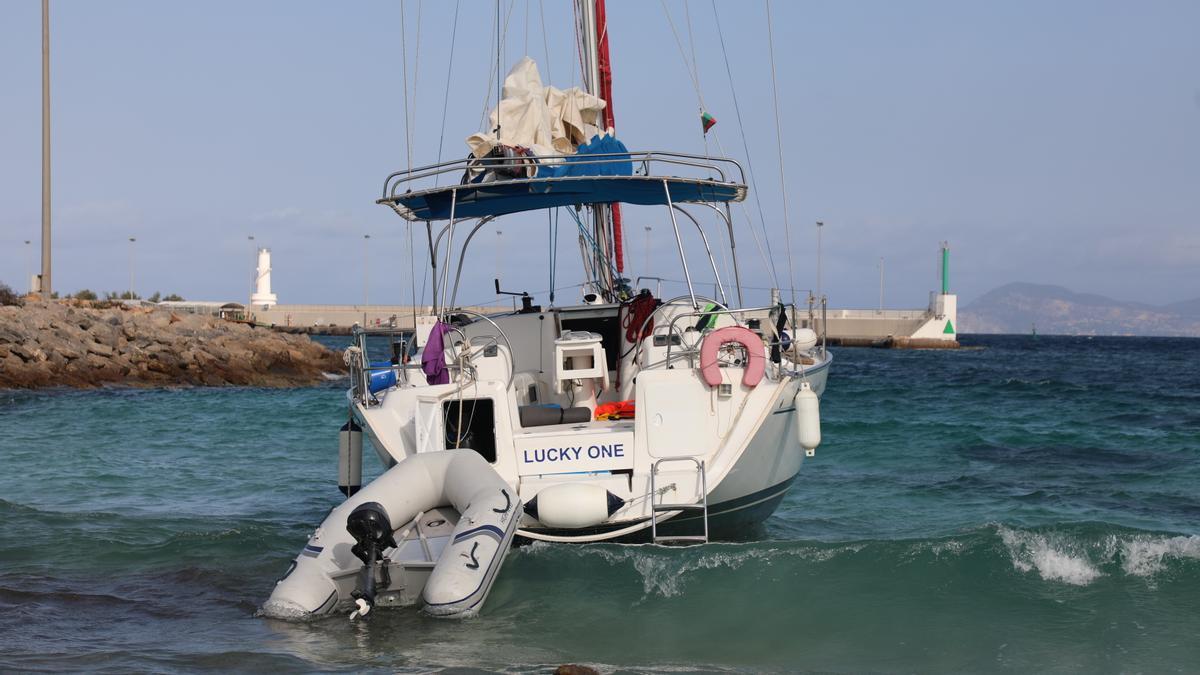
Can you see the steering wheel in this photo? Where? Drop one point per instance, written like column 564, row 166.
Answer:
column 699, row 300
column 472, row 353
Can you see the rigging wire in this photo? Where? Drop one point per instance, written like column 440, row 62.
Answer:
column 787, row 227
column 552, row 223
column 683, row 55
column 404, row 68
column 416, row 79
column 409, row 122
column 412, row 274
column 693, row 72
column 488, row 78
column 499, row 53
column 687, row 15
column 545, row 41
column 762, row 219
column 446, row 97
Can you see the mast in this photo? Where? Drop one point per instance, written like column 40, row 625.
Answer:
column 604, row 74
column 589, row 39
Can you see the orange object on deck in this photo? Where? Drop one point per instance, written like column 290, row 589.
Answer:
column 617, row 410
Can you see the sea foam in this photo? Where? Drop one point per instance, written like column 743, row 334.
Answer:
column 1053, row 557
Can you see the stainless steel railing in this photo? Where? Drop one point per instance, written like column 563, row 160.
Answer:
column 647, row 161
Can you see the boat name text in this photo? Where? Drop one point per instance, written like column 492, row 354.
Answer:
column 572, row 453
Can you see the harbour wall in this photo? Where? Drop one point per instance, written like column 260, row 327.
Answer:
column 929, row 328
column 338, row 319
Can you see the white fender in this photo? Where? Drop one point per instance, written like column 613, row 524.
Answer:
column 573, row 505
column 808, row 418
column 326, row 572
column 804, row 340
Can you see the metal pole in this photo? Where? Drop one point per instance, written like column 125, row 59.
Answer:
column 647, row 268
column 28, row 263
column 132, row 240
column 881, row 284
column 820, row 225
column 366, row 275
column 45, row 285
column 253, row 274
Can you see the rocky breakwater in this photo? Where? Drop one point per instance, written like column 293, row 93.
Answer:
column 54, row 344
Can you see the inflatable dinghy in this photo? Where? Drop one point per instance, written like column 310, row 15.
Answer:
column 354, row 558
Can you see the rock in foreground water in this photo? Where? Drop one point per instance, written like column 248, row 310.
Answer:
column 53, row 344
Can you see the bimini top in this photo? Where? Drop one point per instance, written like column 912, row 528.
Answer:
column 512, row 182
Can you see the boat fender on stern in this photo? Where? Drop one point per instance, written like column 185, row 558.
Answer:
column 808, row 419
column 573, row 505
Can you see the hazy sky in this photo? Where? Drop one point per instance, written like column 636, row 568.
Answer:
column 1054, row 142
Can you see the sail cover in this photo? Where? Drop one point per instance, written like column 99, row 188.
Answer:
column 547, row 120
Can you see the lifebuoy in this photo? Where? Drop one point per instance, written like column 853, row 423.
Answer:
column 755, row 367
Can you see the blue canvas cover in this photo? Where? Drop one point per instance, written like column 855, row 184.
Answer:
column 577, row 165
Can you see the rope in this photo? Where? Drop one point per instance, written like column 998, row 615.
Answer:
column 583, row 231
column 787, row 227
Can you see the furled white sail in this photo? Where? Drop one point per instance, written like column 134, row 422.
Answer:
column 547, row 120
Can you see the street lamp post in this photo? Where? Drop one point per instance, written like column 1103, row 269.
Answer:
column 253, row 274
column 29, row 264
column 880, row 284
column 647, row 268
column 820, row 226
column 366, row 275
column 132, row 240
column 45, row 286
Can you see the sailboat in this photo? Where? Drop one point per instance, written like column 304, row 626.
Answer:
column 623, row 417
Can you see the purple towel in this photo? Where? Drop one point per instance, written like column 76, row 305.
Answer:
column 433, row 362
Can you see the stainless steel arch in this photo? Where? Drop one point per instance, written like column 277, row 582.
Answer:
column 708, row 250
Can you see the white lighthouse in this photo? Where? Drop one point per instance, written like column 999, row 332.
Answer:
column 262, row 297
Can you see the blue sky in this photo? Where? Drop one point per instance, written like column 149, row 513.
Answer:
column 1053, row 142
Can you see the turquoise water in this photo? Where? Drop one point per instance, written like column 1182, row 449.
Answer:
column 1027, row 505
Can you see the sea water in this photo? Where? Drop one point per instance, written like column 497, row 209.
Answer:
column 1023, row 505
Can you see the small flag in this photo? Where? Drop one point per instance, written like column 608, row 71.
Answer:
column 707, row 121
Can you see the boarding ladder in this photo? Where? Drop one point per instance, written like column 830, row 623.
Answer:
column 657, row 507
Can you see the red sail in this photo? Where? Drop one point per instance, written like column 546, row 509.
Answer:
column 605, row 68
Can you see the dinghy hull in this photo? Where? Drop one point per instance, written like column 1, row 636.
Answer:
column 328, row 572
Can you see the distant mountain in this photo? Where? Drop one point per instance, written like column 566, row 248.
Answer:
column 1017, row 307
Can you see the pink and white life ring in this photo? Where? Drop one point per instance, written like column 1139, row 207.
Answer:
column 757, row 362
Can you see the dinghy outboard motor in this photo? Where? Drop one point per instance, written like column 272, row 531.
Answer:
column 369, row 525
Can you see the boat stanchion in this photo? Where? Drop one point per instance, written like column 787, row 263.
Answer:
column 350, row 458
